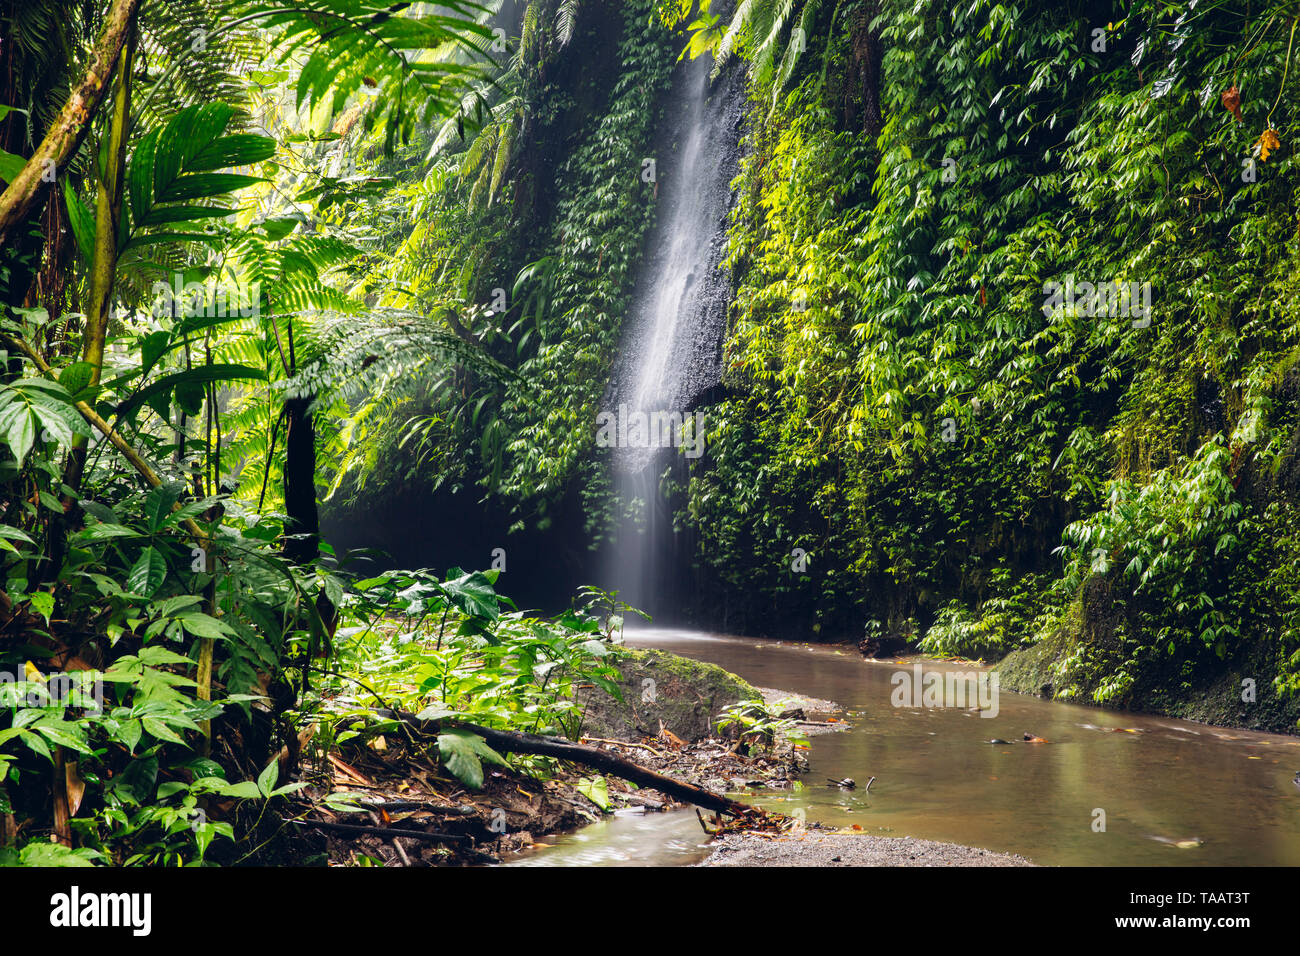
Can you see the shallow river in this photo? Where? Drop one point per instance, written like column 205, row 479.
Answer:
column 1225, row 795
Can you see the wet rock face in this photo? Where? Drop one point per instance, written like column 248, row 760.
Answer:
column 1211, row 414
column 685, row 695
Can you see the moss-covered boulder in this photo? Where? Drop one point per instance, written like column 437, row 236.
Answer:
column 683, row 694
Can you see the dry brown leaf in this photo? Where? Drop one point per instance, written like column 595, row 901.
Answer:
column 350, row 771
column 669, row 736
column 76, row 787
column 1231, row 98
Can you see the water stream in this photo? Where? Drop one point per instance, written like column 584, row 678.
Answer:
column 1226, row 795
column 671, row 352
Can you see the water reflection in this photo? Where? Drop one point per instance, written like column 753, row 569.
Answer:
column 627, row 838
column 1173, row 792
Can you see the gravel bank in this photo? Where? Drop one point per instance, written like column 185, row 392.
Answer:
column 837, row 849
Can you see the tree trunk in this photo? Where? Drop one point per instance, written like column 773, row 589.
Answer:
column 68, row 130
column 302, row 527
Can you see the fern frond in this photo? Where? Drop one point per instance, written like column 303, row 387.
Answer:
column 417, row 64
column 566, row 21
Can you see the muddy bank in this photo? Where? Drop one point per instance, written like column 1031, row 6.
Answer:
column 816, row 848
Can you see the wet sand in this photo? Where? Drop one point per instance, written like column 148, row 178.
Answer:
column 838, row 849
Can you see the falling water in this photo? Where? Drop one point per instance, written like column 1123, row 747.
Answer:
column 672, row 350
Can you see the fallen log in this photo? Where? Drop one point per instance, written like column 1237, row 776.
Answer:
column 509, row 741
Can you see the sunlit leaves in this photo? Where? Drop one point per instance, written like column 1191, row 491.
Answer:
column 463, row 754
column 179, row 163
column 411, row 66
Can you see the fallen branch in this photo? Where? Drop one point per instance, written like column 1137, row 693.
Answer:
column 622, row 743
column 508, row 741
column 397, row 806
column 700, row 817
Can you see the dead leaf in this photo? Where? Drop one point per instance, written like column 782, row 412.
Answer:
column 1232, row 101
column 349, row 771
column 76, row 787
column 671, row 737
column 1267, row 142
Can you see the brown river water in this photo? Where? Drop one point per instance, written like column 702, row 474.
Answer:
column 1175, row 792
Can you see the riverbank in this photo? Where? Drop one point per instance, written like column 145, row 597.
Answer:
column 381, row 799
column 816, row 848
column 1235, row 694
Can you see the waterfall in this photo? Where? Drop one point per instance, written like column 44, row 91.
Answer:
column 672, row 342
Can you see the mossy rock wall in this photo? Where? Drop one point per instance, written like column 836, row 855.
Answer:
column 1062, row 667
column 685, row 695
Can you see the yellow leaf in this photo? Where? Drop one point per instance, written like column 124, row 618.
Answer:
column 1266, row 143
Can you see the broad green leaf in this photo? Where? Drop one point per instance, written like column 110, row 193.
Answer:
column 82, row 220
column 266, row 780
column 63, row 733
column 103, row 531
column 6, row 531
column 19, row 431
column 202, row 625
column 158, row 505
column 76, row 376
column 462, row 754
column 42, row 853
column 43, row 602
column 148, row 573
column 129, row 733
column 595, row 789
column 10, row 166
column 474, row 595
column 244, row 790
column 161, row 730
column 200, row 375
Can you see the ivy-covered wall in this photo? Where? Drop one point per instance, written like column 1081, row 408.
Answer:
column 966, row 453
